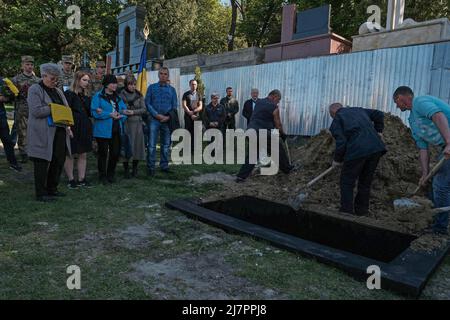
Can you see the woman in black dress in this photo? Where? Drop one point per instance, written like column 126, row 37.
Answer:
column 79, row 101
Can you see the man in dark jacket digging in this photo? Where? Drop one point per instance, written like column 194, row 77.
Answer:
column 359, row 147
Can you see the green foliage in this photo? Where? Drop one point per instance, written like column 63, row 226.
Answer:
column 260, row 20
column 198, row 77
column 38, row 28
column 211, row 27
column 347, row 16
column 187, row 27
column 183, row 27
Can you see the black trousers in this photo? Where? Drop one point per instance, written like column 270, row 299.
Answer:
column 47, row 174
column 108, row 155
column 362, row 170
column 230, row 124
column 189, row 126
column 8, row 145
column 284, row 164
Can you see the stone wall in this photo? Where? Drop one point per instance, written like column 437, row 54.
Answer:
column 233, row 59
column 420, row 33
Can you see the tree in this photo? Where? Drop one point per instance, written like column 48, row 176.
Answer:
column 200, row 85
column 186, row 27
column 348, row 16
column 261, row 21
column 39, row 28
column 211, row 27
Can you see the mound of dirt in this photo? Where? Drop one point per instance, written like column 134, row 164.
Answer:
column 217, row 178
column 397, row 176
column 429, row 242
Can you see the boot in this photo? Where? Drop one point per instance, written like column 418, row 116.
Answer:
column 135, row 167
column 126, row 169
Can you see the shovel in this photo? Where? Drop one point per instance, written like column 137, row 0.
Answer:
column 301, row 197
column 439, row 210
column 288, row 152
column 408, row 203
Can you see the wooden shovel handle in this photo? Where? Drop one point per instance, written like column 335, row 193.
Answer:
column 439, row 210
column 323, row 174
column 288, row 152
column 435, row 169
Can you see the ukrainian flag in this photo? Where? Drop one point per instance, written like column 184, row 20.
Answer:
column 142, row 73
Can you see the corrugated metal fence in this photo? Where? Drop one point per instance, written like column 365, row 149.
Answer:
column 363, row 79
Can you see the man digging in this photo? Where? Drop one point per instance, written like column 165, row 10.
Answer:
column 266, row 116
column 359, row 147
column 429, row 122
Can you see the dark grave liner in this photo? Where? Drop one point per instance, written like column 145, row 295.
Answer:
column 348, row 245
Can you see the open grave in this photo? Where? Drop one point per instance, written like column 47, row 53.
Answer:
column 389, row 238
column 348, row 245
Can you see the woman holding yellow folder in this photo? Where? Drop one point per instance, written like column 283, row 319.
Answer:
column 47, row 144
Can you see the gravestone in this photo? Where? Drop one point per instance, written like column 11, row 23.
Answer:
column 313, row 22
column 306, row 34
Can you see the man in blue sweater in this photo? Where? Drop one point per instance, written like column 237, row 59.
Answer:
column 359, row 146
column 429, row 121
column 161, row 98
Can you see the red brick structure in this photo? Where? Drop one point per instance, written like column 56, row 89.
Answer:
column 313, row 46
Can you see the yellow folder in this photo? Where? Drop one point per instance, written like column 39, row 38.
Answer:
column 61, row 115
column 11, row 86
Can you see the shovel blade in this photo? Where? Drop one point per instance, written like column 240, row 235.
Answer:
column 297, row 202
column 405, row 203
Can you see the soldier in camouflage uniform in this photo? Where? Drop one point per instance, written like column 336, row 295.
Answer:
column 66, row 79
column 23, row 82
column 97, row 77
column 231, row 107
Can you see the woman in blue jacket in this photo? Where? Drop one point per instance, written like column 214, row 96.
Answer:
column 107, row 109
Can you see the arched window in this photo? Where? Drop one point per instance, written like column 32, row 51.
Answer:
column 126, row 46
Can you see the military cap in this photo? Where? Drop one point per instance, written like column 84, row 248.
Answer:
column 100, row 64
column 68, row 59
column 26, row 59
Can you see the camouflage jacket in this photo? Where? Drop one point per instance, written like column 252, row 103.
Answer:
column 65, row 80
column 96, row 84
column 23, row 83
column 231, row 105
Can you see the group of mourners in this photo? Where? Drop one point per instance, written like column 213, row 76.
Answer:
column 116, row 123
column 107, row 122
column 123, row 124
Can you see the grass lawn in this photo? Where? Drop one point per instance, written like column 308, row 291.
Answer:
column 129, row 246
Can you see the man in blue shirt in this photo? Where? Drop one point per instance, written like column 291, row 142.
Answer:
column 429, row 121
column 161, row 98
